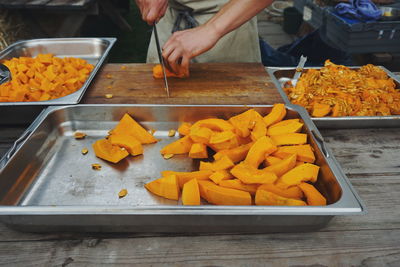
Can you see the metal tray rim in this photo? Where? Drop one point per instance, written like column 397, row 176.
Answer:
column 75, row 97
column 337, row 208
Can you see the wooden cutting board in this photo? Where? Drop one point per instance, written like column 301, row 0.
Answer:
column 209, row 83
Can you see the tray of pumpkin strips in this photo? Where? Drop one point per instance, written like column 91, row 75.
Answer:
column 48, row 72
column 337, row 96
column 163, row 168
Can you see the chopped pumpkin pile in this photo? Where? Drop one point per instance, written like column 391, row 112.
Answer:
column 260, row 160
column 44, row 77
column 125, row 139
column 337, row 90
column 159, row 74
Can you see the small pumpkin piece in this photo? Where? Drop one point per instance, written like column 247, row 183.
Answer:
column 223, row 163
column 313, row 196
column 171, row 133
column 270, row 199
column 292, row 127
column 198, row 151
column 184, row 128
column 165, row 187
column 250, row 175
column 260, row 128
column 159, row 74
column 235, row 154
column 84, row 151
column 130, row 143
column 79, row 135
column 242, row 122
column 303, row 173
column 289, row 139
column 180, row 146
column 184, row 177
column 271, row 160
column 200, row 134
column 237, row 184
column 109, row 96
column 215, row 124
column 128, row 126
column 299, row 163
column 263, row 146
column 321, row 110
column 304, row 152
column 277, row 114
column 107, row 151
column 96, row 166
column 218, row 176
column 122, row 193
column 223, row 196
column 223, row 140
column 283, row 166
column 291, row 192
column 191, row 193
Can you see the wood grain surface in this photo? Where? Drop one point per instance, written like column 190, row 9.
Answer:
column 209, row 83
column 369, row 157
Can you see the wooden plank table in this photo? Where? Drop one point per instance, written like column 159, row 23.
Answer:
column 369, row 157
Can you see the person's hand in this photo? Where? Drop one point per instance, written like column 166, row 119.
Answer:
column 152, row 10
column 185, row 45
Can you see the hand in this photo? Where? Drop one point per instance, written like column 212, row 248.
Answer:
column 152, row 10
column 185, row 45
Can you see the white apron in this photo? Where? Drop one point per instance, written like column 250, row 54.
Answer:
column 240, row 45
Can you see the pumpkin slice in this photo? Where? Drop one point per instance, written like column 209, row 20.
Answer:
column 250, row 175
column 258, row 150
column 130, row 143
column 180, row 146
column 283, row 123
column 271, row 160
column 292, row 127
column 237, row 184
column 223, row 196
column 314, row 197
column 283, row 166
column 320, row 110
column 304, row 152
column 223, row 163
column 277, row 114
column 165, row 187
column 218, row 176
column 107, row 151
column 198, row 151
column 301, row 173
column 268, row 198
column 223, row 140
column 128, row 126
column 184, row 128
column 235, row 154
column 260, row 128
column 243, row 122
column 200, row 134
column 290, row 192
column 191, row 193
column 289, row 139
column 215, row 124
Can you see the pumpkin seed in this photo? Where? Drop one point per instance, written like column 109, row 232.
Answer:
column 122, row 193
column 171, row 133
column 96, row 166
column 108, row 96
column 168, row 156
column 79, row 135
column 84, row 151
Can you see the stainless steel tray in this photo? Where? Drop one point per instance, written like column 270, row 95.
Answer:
column 338, row 122
column 94, row 50
column 47, row 184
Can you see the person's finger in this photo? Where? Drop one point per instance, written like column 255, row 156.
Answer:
column 173, row 60
column 184, row 68
column 163, row 11
column 167, row 50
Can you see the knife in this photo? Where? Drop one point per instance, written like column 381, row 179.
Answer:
column 161, row 59
column 299, row 68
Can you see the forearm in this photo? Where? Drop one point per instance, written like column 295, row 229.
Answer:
column 233, row 14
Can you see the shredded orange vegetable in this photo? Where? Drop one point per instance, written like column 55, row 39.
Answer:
column 44, row 77
column 337, row 90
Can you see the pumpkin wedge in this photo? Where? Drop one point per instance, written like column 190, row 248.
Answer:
column 223, row 196
column 235, row 154
column 237, row 184
column 314, row 197
column 127, row 125
column 180, row 146
column 191, row 193
column 184, row 177
column 268, row 198
column 165, row 187
column 258, row 150
column 107, row 151
column 301, row 173
column 250, row 175
column 277, row 114
column 129, row 142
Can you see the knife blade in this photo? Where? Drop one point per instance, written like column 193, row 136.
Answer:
column 299, row 68
column 161, row 59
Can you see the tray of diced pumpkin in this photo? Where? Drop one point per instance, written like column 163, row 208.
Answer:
column 161, row 168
